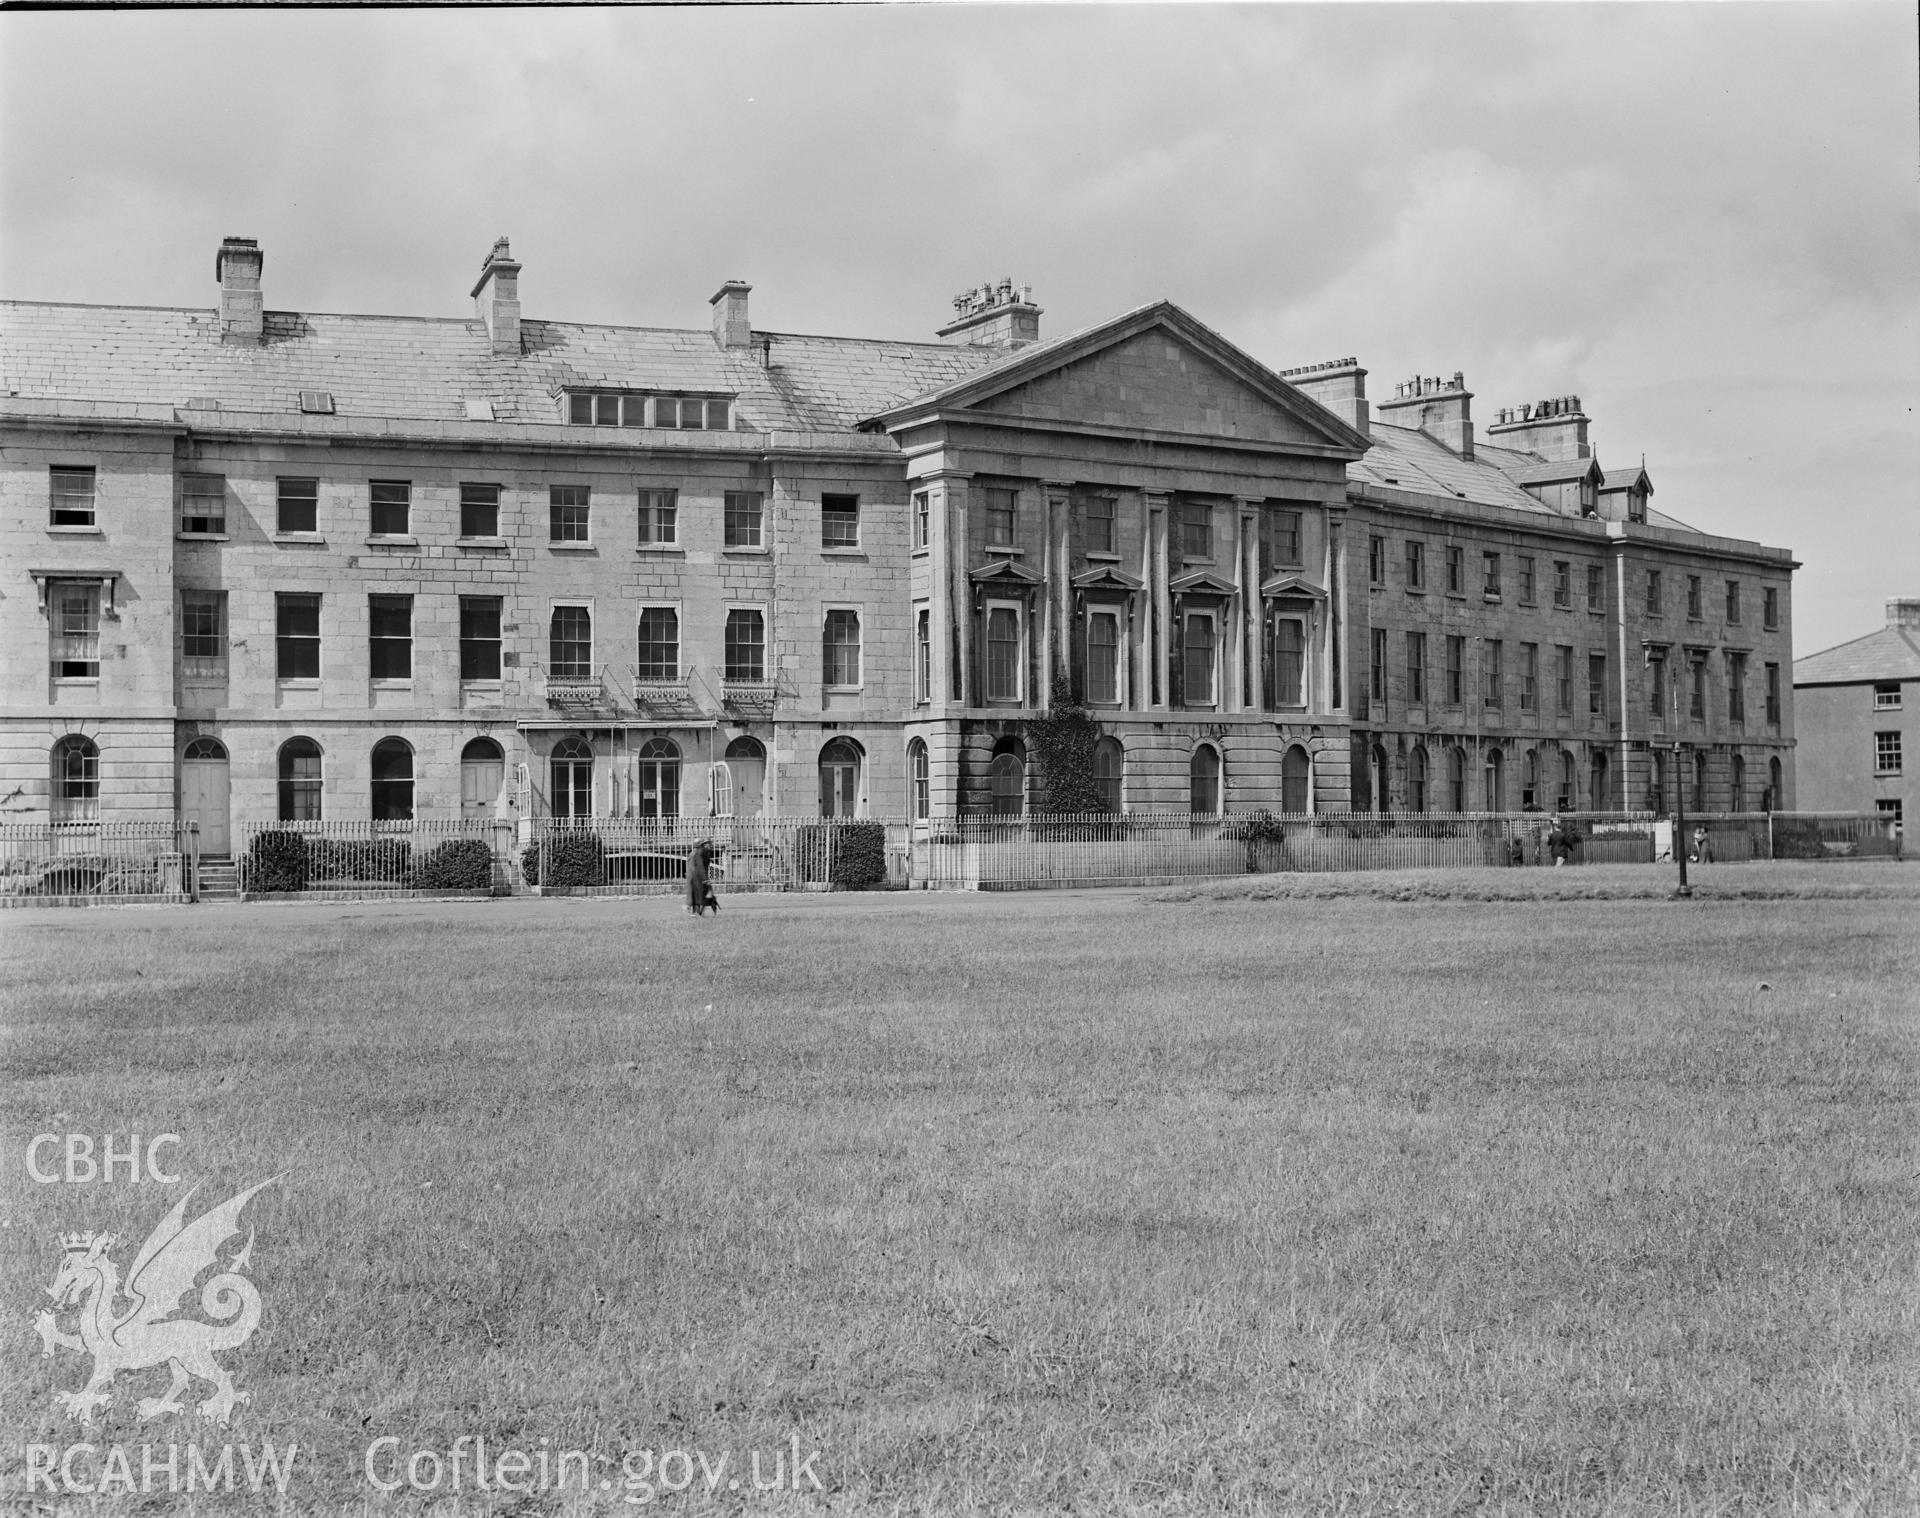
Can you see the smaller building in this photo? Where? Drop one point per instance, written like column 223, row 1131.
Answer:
column 1859, row 710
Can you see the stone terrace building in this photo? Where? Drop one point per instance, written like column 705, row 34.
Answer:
column 1862, row 704
column 263, row 564
column 1528, row 632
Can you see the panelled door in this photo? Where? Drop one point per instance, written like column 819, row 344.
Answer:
column 204, row 782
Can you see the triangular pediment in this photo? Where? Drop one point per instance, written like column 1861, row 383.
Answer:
column 1005, row 572
column 1291, row 585
column 1155, row 371
column 1201, row 582
column 1106, row 577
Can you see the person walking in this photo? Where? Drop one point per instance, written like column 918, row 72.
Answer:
column 699, row 889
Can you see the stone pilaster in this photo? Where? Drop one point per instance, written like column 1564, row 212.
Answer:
column 1159, row 621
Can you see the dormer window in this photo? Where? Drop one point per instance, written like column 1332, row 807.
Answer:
column 622, row 408
column 1636, row 505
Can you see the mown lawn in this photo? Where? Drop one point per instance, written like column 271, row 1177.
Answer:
column 1028, row 1204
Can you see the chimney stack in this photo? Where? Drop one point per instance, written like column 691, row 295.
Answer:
column 237, row 268
column 1555, row 429
column 500, row 307
column 1903, row 614
column 994, row 316
column 1441, row 408
column 731, row 328
column 1340, row 385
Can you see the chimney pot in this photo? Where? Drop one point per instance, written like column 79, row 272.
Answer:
column 731, row 326
column 1441, row 408
column 1555, row 429
column 997, row 314
column 237, row 268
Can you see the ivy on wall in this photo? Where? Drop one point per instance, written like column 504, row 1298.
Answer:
column 1061, row 744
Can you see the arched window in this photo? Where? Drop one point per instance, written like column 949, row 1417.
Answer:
column 1698, row 801
column 483, row 770
column 1775, row 800
column 919, row 780
column 1296, row 771
column 840, row 778
column 1494, row 782
column 1565, row 800
column 571, row 771
column 1007, row 778
column 1109, row 774
column 76, row 780
column 1530, row 782
column 1738, row 802
column 392, row 780
column 1417, row 798
column 1656, row 783
column 1204, row 781
column 206, row 748
column 1599, row 784
column 659, row 778
column 1382, row 784
column 1456, row 780
column 300, row 780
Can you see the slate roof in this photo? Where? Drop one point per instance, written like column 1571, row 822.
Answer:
column 427, row 368
column 1404, row 458
column 1893, row 653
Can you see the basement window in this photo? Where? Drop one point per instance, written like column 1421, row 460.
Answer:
column 317, row 402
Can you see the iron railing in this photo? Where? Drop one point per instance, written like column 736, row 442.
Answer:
column 144, row 859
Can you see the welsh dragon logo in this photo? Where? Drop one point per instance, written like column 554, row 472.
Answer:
column 146, row 1333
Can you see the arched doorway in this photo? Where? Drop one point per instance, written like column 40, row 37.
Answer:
column 1775, row 800
column 1494, row 782
column 205, row 794
column 570, row 771
column 1599, row 783
column 659, row 794
column 1456, row 780
column 747, row 776
column 483, row 770
column 1379, row 782
column 392, row 780
column 840, row 763
column 1738, row 801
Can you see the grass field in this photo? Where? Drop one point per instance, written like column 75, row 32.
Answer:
column 1105, row 1203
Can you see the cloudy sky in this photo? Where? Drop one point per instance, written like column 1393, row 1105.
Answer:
column 1701, row 219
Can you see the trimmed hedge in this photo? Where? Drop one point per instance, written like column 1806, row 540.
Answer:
column 460, row 864
column 277, row 861
column 386, row 860
column 574, row 859
column 849, row 856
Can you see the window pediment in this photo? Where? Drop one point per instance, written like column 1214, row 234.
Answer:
column 1291, row 585
column 107, row 579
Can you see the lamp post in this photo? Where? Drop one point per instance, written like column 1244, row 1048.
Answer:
column 1685, row 891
